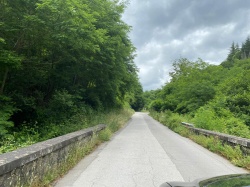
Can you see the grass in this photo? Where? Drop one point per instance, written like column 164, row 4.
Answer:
column 28, row 135
column 114, row 121
column 74, row 157
column 232, row 153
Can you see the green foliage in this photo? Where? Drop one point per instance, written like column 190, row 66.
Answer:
column 156, row 105
column 149, row 97
column 213, row 144
column 64, row 59
column 245, row 49
column 136, row 98
column 232, row 153
column 189, row 89
column 6, row 111
column 29, row 134
column 8, row 61
column 244, row 162
column 105, row 135
column 73, row 158
column 232, row 56
column 195, row 96
column 206, row 119
column 172, row 120
column 4, row 123
column 212, row 97
column 61, row 107
column 237, row 53
column 217, row 98
column 214, row 117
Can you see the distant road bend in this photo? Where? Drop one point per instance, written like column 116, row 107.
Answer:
column 146, row 154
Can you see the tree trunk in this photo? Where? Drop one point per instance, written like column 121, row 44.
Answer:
column 4, row 80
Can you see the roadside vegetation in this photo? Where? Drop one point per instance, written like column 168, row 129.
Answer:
column 212, row 97
column 234, row 154
column 114, row 120
column 67, row 65
column 64, row 65
column 26, row 136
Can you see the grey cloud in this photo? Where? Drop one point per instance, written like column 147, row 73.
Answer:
column 165, row 30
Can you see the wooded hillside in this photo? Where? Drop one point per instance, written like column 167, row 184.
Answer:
column 213, row 97
column 61, row 58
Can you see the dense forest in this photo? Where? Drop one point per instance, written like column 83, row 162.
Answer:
column 213, row 97
column 62, row 58
column 64, row 62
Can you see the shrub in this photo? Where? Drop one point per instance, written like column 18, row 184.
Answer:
column 206, row 118
column 235, row 126
column 244, row 162
column 232, row 153
column 61, row 107
column 156, row 105
column 221, row 120
column 105, row 134
column 6, row 111
column 30, row 134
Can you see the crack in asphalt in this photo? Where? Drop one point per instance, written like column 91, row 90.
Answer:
column 145, row 153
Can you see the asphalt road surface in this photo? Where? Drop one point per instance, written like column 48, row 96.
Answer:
column 146, row 154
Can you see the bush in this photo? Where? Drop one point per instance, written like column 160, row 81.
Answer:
column 233, row 153
column 172, row 121
column 61, row 107
column 6, row 111
column 235, row 126
column 221, row 120
column 244, row 162
column 156, row 105
column 105, row 135
column 30, row 134
column 206, row 118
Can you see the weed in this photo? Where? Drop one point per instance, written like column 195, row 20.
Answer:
column 105, row 134
column 243, row 162
column 75, row 156
column 113, row 119
column 28, row 136
column 232, row 153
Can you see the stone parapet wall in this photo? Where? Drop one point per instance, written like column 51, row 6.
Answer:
column 243, row 142
column 26, row 165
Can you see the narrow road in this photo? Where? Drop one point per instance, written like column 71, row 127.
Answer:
column 146, row 154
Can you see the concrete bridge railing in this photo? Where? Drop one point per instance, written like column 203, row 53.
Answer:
column 23, row 166
column 243, row 142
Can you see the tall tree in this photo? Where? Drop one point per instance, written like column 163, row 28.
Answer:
column 245, row 49
column 64, row 52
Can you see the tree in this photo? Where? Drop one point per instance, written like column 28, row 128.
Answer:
column 245, row 49
column 183, row 67
column 76, row 50
column 234, row 53
column 137, row 100
column 8, row 61
column 189, row 88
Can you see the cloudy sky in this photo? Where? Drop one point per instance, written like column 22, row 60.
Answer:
column 166, row 30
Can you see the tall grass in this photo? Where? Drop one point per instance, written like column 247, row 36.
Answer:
column 113, row 119
column 27, row 136
column 232, row 153
column 74, row 157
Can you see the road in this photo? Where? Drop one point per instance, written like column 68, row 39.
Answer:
column 146, row 154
